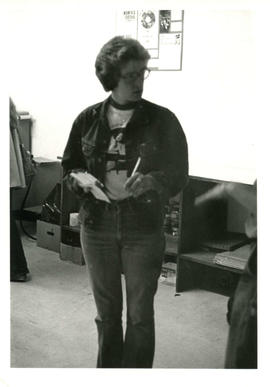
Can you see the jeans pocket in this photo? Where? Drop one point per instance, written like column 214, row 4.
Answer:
column 89, row 213
column 149, row 214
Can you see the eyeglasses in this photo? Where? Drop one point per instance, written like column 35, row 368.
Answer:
column 131, row 77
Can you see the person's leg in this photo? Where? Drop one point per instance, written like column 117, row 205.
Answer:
column 241, row 351
column 18, row 264
column 142, row 256
column 101, row 253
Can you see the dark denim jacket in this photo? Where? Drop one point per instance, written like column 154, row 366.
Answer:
column 153, row 132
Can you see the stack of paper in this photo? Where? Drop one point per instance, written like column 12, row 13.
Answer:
column 88, row 181
column 229, row 241
column 236, row 259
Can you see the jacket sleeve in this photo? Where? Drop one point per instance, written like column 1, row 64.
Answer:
column 173, row 176
column 73, row 159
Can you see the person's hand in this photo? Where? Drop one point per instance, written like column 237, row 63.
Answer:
column 138, row 184
column 84, row 181
column 74, row 185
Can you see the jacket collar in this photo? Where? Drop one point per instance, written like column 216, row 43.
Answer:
column 100, row 109
column 141, row 114
column 139, row 119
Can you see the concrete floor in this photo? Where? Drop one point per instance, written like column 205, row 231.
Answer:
column 52, row 320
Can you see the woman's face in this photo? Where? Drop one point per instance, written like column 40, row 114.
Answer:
column 130, row 85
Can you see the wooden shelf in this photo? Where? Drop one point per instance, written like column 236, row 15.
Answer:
column 206, row 258
column 197, row 226
column 193, row 274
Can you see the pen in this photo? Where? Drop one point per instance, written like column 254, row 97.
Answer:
column 136, row 166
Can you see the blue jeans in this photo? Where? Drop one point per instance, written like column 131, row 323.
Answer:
column 123, row 239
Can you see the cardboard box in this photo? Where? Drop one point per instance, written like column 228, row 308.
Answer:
column 48, row 236
column 72, row 254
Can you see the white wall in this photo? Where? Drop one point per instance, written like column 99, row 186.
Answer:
column 52, row 67
column 214, row 95
column 52, row 76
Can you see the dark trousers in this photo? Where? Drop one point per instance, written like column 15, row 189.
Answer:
column 117, row 242
column 18, row 264
column 242, row 341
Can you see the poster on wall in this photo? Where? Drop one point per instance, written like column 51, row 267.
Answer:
column 159, row 31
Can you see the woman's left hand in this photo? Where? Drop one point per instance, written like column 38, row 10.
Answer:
column 138, row 184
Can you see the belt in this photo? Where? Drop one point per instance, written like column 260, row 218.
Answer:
column 130, row 202
column 124, row 203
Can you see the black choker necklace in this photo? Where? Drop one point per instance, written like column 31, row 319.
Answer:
column 127, row 106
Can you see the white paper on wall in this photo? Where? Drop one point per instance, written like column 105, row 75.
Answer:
column 159, row 31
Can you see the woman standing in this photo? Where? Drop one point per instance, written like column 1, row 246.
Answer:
column 138, row 152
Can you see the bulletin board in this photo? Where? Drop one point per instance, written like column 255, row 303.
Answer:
column 159, row 31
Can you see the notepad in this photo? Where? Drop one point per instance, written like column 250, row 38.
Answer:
column 86, row 180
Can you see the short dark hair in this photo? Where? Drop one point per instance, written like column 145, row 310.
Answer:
column 114, row 54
